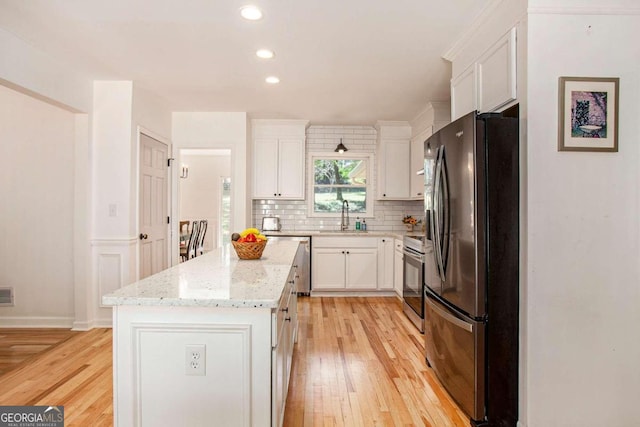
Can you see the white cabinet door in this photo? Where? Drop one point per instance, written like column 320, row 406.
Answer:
column 265, row 171
column 417, row 164
column 385, row 263
column 361, row 271
column 394, row 178
column 497, row 74
column 398, row 272
column 463, row 93
column 291, row 169
column 328, row 268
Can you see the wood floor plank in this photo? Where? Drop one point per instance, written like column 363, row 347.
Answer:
column 378, row 354
column 357, row 362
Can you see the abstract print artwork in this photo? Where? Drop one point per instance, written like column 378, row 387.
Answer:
column 588, row 114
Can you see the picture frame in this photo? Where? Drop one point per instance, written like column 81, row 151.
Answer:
column 588, row 114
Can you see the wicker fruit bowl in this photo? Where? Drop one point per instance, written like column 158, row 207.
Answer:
column 249, row 250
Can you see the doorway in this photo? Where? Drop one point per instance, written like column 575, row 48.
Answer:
column 204, row 192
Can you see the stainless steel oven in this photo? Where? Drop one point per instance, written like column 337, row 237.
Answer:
column 413, row 280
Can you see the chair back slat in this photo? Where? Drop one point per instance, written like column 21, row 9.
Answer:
column 193, row 240
column 203, row 231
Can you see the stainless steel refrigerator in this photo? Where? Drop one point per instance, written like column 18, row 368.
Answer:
column 471, row 270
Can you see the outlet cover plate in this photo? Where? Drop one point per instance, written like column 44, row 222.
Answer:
column 195, row 359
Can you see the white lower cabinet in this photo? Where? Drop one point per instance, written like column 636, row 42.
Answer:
column 344, row 263
column 284, row 336
column 398, row 267
column 385, row 263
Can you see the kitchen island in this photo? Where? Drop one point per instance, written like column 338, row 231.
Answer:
column 207, row 342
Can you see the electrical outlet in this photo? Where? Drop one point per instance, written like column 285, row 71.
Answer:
column 195, row 359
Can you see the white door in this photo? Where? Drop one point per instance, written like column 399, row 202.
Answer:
column 328, row 268
column 397, row 160
column 153, row 206
column 266, row 168
column 291, row 168
column 361, row 271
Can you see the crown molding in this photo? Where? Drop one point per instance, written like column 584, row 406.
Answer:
column 577, row 10
column 453, row 51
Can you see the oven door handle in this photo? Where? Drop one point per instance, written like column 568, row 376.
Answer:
column 413, row 255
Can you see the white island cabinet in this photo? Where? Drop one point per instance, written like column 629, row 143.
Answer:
column 207, row 342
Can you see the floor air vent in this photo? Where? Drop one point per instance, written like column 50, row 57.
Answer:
column 6, row 297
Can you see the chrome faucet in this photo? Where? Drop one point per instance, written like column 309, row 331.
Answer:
column 344, row 225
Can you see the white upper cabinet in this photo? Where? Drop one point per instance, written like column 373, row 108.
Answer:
column 463, row 93
column 417, row 164
column 278, row 159
column 489, row 83
column 497, row 74
column 394, row 160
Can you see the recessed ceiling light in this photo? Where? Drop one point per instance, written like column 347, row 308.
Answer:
column 272, row 80
column 265, row 54
column 252, row 13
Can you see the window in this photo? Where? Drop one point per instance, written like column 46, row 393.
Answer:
column 336, row 178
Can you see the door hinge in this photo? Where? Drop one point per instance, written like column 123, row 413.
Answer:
column 169, row 162
column 168, row 220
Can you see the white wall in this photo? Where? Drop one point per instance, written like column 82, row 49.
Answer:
column 583, row 240
column 200, row 193
column 23, row 66
column 119, row 111
column 218, row 130
column 37, row 213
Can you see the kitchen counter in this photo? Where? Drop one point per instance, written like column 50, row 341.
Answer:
column 216, row 279
column 208, row 341
column 336, row 233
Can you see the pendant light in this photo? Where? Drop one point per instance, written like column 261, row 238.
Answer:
column 341, row 148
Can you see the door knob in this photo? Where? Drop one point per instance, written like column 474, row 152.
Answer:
column 143, row 236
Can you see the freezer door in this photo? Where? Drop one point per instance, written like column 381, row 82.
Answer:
column 454, row 347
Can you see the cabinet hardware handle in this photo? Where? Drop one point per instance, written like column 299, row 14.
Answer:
column 287, row 319
column 347, row 252
column 291, row 282
column 144, row 236
column 342, row 251
column 285, row 310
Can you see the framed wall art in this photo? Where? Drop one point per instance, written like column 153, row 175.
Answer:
column 588, row 114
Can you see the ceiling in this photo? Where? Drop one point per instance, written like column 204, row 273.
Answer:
column 339, row 61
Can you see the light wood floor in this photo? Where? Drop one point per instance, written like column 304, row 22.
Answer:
column 358, row 362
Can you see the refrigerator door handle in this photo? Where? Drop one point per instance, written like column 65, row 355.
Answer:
column 437, row 211
column 446, row 215
column 450, row 317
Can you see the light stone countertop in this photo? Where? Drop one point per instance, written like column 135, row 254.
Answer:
column 215, row 279
column 337, row 233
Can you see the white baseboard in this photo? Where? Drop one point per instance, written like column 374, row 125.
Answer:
column 88, row 325
column 36, row 322
column 353, row 293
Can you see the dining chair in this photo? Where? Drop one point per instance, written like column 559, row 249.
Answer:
column 183, row 233
column 189, row 251
column 203, row 231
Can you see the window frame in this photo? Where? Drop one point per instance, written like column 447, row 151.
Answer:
column 369, row 193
